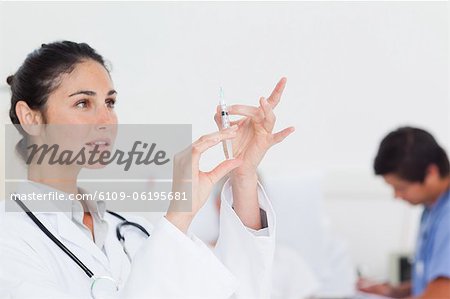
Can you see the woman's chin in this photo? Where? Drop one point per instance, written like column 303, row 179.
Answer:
column 94, row 166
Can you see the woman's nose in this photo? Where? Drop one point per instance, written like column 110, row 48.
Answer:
column 105, row 116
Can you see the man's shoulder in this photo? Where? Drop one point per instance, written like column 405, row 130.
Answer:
column 445, row 207
column 443, row 216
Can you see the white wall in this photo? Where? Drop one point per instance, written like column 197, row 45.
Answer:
column 355, row 70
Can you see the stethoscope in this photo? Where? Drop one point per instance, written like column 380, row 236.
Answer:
column 102, row 286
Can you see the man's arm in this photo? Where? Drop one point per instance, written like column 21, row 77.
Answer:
column 402, row 290
column 437, row 289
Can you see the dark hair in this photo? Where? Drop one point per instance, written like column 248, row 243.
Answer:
column 40, row 74
column 407, row 152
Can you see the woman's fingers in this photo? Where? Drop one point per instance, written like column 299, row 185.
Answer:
column 244, row 110
column 218, row 118
column 216, row 136
column 248, row 111
column 255, row 113
column 280, row 136
column 207, row 141
column 269, row 116
column 222, row 169
column 275, row 96
column 263, row 114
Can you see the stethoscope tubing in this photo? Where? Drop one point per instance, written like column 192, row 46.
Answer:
column 53, row 238
column 66, row 250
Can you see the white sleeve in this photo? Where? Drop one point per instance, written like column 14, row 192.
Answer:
column 247, row 253
column 170, row 262
column 168, row 265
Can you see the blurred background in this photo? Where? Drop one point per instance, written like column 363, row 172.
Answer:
column 356, row 70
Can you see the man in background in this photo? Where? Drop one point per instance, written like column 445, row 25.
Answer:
column 417, row 168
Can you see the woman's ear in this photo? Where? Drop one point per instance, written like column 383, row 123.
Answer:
column 31, row 120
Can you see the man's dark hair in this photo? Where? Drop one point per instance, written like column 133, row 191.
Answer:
column 407, row 152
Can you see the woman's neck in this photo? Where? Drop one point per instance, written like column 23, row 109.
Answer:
column 57, row 177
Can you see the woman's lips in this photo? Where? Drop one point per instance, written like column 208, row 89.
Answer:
column 101, row 144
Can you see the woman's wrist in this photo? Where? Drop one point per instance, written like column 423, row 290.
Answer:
column 182, row 220
column 245, row 199
column 244, row 179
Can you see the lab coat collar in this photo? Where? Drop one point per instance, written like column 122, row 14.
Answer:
column 94, row 206
column 68, row 207
column 65, row 228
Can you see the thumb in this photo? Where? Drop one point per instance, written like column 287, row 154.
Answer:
column 222, row 169
column 280, row 136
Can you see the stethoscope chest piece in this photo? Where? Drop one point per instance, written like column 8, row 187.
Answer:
column 104, row 287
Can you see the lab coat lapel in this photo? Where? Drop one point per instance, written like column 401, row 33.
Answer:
column 66, row 229
column 70, row 233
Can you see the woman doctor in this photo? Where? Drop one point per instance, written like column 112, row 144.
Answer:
column 68, row 83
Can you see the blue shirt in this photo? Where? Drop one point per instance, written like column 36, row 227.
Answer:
column 432, row 258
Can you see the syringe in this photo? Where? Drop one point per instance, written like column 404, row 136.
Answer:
column 227, row 145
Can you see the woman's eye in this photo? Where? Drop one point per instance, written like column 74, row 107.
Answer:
column 110, row 103
column 81, row 104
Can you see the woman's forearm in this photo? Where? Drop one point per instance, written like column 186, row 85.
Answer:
column 182, row 220
column 245, row 199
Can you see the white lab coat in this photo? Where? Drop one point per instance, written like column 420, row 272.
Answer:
column 168, row 264
column 292, row 277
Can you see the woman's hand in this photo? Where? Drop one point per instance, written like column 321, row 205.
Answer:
column 254, row 135
column 186, row 166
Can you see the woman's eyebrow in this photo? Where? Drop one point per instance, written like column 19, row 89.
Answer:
column 91, row 93
column 86, row 92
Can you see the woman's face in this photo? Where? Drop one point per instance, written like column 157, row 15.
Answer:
column 80, row 112
column 85, row 96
